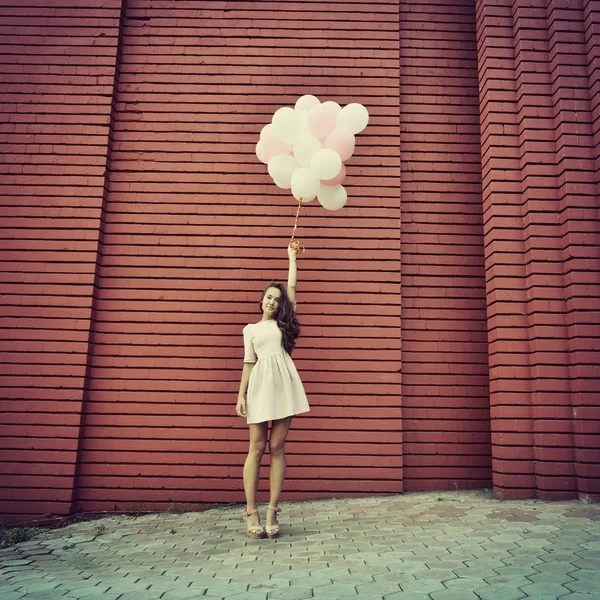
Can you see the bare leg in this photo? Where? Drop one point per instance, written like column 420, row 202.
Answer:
column 258, row 442
column 279, row 431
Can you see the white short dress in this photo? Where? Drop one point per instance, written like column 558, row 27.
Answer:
column 275, row 390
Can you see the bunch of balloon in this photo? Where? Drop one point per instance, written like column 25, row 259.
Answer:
column 305, row 148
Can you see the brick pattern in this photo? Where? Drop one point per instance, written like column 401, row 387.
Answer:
column 57, row 71
column 445, row 383
column 124, row 291
column 195, row 229
column 540, row 182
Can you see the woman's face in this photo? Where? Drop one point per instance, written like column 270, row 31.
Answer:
column 270, row 303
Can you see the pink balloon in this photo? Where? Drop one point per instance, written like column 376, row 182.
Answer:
column 337, row 179
column 342, row 141
column 322, row 119
column 271, row 146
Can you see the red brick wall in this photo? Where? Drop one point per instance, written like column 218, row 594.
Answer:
column 57, row 71
column 195, row 229
column 134, row 249
column 445, row 375
column 539, row 105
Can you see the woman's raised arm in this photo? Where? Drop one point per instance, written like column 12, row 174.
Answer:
column 292, row 275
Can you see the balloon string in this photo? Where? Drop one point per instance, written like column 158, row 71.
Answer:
column 297, row 216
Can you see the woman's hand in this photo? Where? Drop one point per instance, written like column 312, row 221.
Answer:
column 240, row 407
column 292, row 251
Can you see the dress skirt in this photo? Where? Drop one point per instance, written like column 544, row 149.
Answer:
column 275, row 390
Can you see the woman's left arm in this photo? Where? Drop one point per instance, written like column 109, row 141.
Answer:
column 292, row 275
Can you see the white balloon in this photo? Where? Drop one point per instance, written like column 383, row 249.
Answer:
column 261, row 152
column 326, row 163
column 305, row 147
column 305, row 184
column 306, row 102
column 286, row 124
column 266, row 131
column 332, row 106
column 303, row 116
column 332, row 197
column 353, row 117
column 281, row 168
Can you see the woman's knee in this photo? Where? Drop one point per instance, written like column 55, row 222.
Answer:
column 277, row 447
column 257, row 448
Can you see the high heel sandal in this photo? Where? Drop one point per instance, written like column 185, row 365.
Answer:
column 272, row 531
column 255, row 532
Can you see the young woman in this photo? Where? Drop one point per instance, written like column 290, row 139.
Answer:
column 274, row 393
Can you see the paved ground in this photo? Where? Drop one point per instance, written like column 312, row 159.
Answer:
column 418, row 546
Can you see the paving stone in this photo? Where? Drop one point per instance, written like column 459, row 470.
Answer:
column 44, row 594
column 14, row 577
column 454, row 595
column 249, row 595
column 559, row 557
column 141, row 595
column 517, row 582
column 329, row 572
column 424, row 586
column 396, row 576
column 7, row 594
column 183, row 570
column 378, row 588
column 515, row 571
column 295, row 593
column 88, row 591
column 552, row 577
column 554, row 567
column 354, row 579
column 310, row 581
column 585, row 586
column 105, row 596
column 465, row 584
column 192, row 593
column 206, row 580
column 584, row 574
column 445, row 564
column 543, row 591
column 270, row 568
column 124, row 585
column 338, row 591
column 587, row 563
column 226, row 589
column 19, row 562
column 13, row 571
column 39, row 583
column 440, row 574
column 476, row 571
column 407, row 596
column 500, row 592
column 394, row 555
column 522, row 551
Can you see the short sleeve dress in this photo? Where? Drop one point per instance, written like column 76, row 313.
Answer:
column 275, row 390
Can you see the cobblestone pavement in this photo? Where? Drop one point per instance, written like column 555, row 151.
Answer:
column 416, row 546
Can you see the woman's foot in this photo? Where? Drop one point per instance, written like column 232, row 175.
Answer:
column 254, row 530
column 272, row 528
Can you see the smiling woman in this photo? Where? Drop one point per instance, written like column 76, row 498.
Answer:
column 270, row 390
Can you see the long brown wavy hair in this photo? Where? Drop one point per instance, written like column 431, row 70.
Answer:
column 285, row 317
